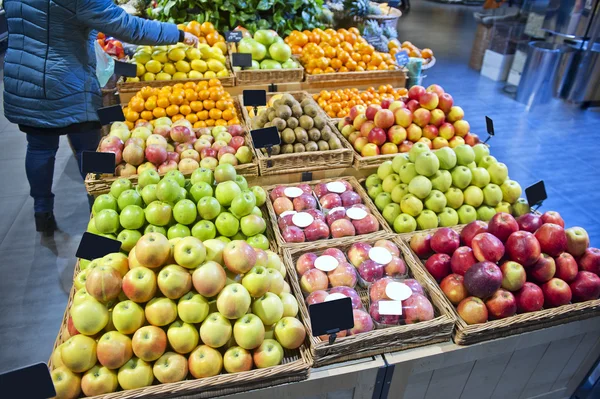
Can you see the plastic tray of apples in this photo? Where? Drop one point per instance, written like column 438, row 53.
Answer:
column 512, row 275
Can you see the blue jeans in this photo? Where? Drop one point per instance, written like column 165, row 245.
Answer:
column 39, row 163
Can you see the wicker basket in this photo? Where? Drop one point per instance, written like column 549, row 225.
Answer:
column 262, row 76
column 387, row 20
column 378, row 341
column 466, row 334
column 383, row 227
column 304, row 161
column 350, row 77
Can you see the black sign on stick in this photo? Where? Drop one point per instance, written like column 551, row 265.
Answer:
column 536, row 194
column 97, row 162
column 125, row 69
column 265, row 138
column 93, row 246
column 254, row 98
column 331, row 317
column 233, row 36
column 114, row 113
column 18, row 383
column 489, row 123
column 241, row 60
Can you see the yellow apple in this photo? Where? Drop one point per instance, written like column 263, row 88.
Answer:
column 161, row 311
column 183, row 337
column 170, row 367
column 214, row 250
column 261, row 257
column 149, row 343
column 127, row 317
column 132, row 260
column 80, row 296
column 89, row 316
column 216, row 330
column 209, row 279
column 290, row 305
column 237, row 359
column 189, row 252
column 66, row 383
column 136, row 373
column 114, row 350
column 117, row 261
column 98, row 381
column 78, row 353
column 249, row 331
column 273, row 260
column 290, row 332
column 233, row 301
column 192, row 308
column 268, row 308
column 277, row 281
column 268, row 354
column 56, row 358
column 205, row 361
column 174, row 281
column 139, row 284
column 152, row 250
column 80, row 279
column 286, row 288
column 270, row 332
column 257, row 281
column 103, row 283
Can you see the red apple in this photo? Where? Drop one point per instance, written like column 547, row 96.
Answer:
column 417, row 308
column 487, row 247
column 421, row 117
column 530, row 298
column 405, row 146
column 370, row 271
column 370, row 150
column 430, row 132
column 156, row 154
column 368, row 224
column 502, row 304
column 208, row 153
column 566, row 267
column 529, row 222
column 556, row 293
column 358, row 253
column 304, row 202
column 438, row 265
column 366, row 128
column 585, row 287
column 316, row 297
column 342, row 228
column 377, row 136
column 462, row 260
column 305, row 263
column 454, row 288
column 396, row 134
column 429, row 100
column 542, row 270
column 236, row 142
column 445, row 240
column 590, row 261
column 317, row 230
column 472, row 310
column 384, row 119
column 437, row 89
column 420, row 243
column 502, row 225
column 350, row 293
column 350, row 198
column 552, row 238
column 483, row 279
column 382, row 319
column 553, row 217
column 471, row 139
column 282, row 204
column 446, row 130
column 437, row 117
column 293, row 234
column 356, row 110
column 471, row 230
column 445, row 102
column 372, row 111
column 415, row 92
column 523, row 248
column 413, row 133
column 403, row 117
column 386, row 102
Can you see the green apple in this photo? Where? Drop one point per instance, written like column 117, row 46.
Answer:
column 385, row 169
column 399, row 191
column 383, row 200
column 498, row 173
column 204, row 230
column 391, row 212
column 129, row 197
column 398, row 161
column 178, row 230
column 427, row 164
column 407, row 172
column 244, row 155
column 226, row 192
column 520, row 207
column 411, row 205
column 155, row 229
column 259, row 194
column 200, row 190
column 447, row 157
column 149, row 194
column 239, row 236
column 427, row 220
column 225, row 172
column 243, row 204
column 192, row 308
column 373, row 180
column 214, row 249
column 241, row 182
column 258, row 241
column 391, row 181
column 128, row 239
column 107, row 221
column 158, row 213
column 374, row 191
column 405, row 223
column 417, row 149
column 209, row 208
column 119, row 186
column 132, row 217
column 268, row 308
column 104, row 201
column 177, row 176
column 256, row 211
column 202, row 175
column 420, row 186
column 148, row 177
column 252, row 225
column 466, row 214
column 184, row 212
column 461, row 177
column 448, row 217
column 511, row 191
column 504, row 207
column 227, row 225
column 441, row 181
column 91, row 227
column 168, row 190
column 464, row 154
column 487, row 161
column 485, row 213
column 481, row 150
column 436, row 201
column 473, row 196
column 472, row 165
column 257, row 281
column 454, row 197
column 481, row 177
column 492, row 195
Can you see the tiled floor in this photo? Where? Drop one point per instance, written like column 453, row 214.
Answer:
column 557, row 143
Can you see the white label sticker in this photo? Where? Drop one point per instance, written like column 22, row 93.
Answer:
column 293, row 192
column 302, row 219
column 336, row 187
column 326, row 263
column 334, row 297
column 288, row 213
column 337, row 208
column 380, row 255
column 398, row 291
column 356, row 213
column 390, row 308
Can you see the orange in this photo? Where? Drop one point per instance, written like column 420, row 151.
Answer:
column 208, row 104
column 146, row 92
column 177, row 117
column 202, row 115
column 200, row 124
column 172, row 110
column 329, row 70
column 196, row 106
column 330, row 52
column 129, row 125
column 210, row 122
column 233, row 122
column 215, row 113
column 207, row 28
column 178, row 86
column 317, row 71
column 221, row 122
column 132, row 116
column 356, row 57
column 176, row 98
column 163, row 102
column 426, row 53
column 189, row 85
column 215, row 95
column 136, row 104
column 203, row 84
column 336, row 63
column 185, row 110
column 343, row 69
column 213, row 82
column 159, row 112
column 193, row 118
column 150, row 104
column 190, row 95
column 203, row 95
column 147, row 115
column 227, row 115
column 212, row 38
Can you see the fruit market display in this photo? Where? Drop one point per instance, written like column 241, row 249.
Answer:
column 204, row 103
column 509, row 266
column 180, row 61
column 268, row 51
column 391, row 125
column 331, row 51
column 413, row 51
column 163, row 146
column 333, row 209
column 112, row 46
column 179, row 309
column 301, row 125
column 337, row 103
column 425, row 189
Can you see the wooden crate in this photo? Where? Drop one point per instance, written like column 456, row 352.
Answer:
column 380, row 340
column 350, row 77
column 304, row 161
column 253, row 77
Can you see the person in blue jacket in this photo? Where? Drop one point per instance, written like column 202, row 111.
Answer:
column 50, row 83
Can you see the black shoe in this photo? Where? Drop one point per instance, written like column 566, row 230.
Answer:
column 45, row 222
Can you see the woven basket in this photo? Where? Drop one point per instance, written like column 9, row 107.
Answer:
column 97, row 184
column 304, row 161
column 261, row 76
column 383, row 227
column 378, row 341
column 466, row 334
column 387, row 20
column 350, row 77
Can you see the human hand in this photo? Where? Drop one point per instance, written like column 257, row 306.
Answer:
column 190, row 40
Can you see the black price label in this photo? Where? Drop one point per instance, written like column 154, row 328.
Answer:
column 233, row 36
column 489, row 123
column 307, row 176
column 272, row 88
column 93, row 246
column 114, row 113
column 32, row 381
column 97, row 162
column 536, row 194
column 265, row 138
column 241, row 60
column 331, row 317
column 254, row 98
column 125, row 69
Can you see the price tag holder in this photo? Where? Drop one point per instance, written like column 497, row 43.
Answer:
column 266, row 137
column 331, row 317
column 114, row 113
column 307, row 176
column 254, row 98
column 97, row 162
column 125, row 69
column 402, row 58
column 233, row 36
column 536, row 194
column 93, row 246
column 28, row 382
column 489, row 123
column 241, row 60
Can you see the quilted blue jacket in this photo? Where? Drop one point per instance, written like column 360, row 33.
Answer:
column 50, row 65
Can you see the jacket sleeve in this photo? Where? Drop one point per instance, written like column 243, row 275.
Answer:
column 105, row 16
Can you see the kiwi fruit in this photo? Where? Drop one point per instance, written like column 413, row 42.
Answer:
column 326, row 133
column 256, row 123
column 277, row 103
column 299, row 147
column 334, row 143
column 288, row 136
column 314, row 134
column 292, row 123
column 305, row 102
column 297, row 110
column 311, row 110
column 279, row 124
column 283, row 111
column 275, row 150
column 301, row 135
column 288, row 99
column 306, row 122
column 271, row 115
column 268, row 124
column 311, row 146
column 319, row 122
column 323, row 146
column 263, row 117
column 287, row 149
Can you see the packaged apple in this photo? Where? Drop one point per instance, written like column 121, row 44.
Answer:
column 307, row 225
column 383, row 259
column 296, row 198
column 336, row 194
column 330, row 269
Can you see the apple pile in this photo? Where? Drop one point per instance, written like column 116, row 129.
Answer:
column 425, row 189
column 507, row 266
column 162, row 145
column 426, row 116
column 342, row 212
column 180, row 308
